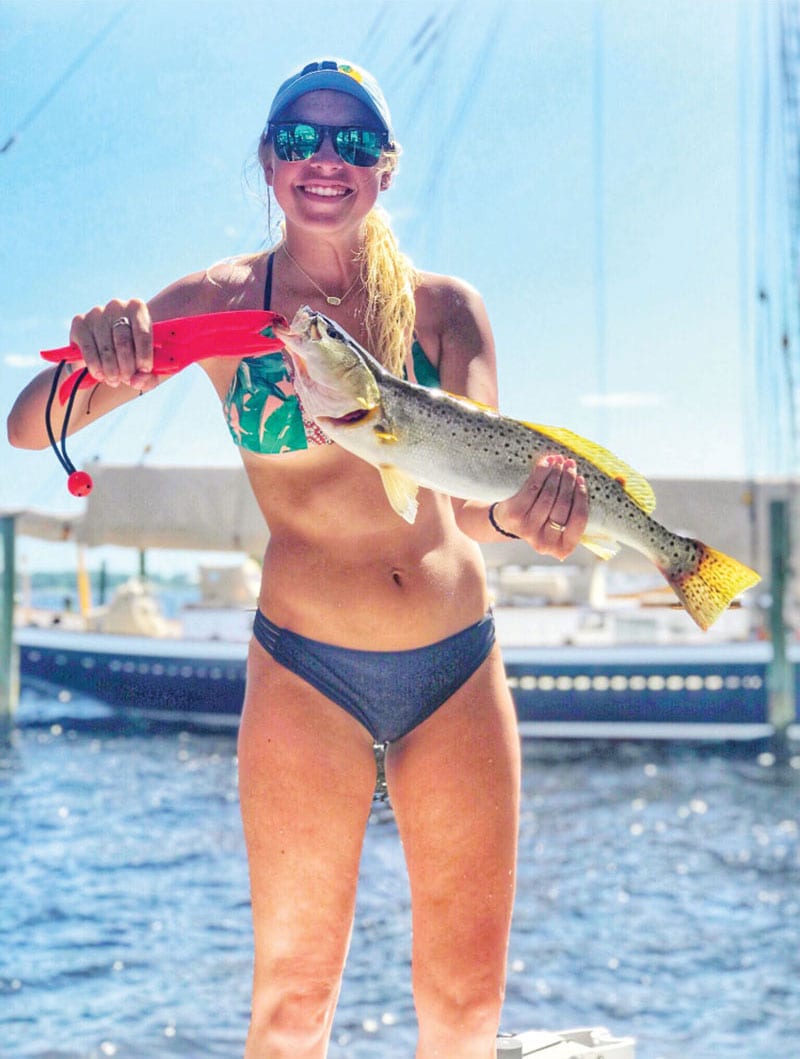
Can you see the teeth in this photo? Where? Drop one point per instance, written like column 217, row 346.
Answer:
column 325, row 192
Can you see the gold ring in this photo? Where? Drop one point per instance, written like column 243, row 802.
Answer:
column 556, row 525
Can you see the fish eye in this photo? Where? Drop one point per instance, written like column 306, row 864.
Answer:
column 332, row 332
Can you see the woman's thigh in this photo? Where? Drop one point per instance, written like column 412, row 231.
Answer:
column 306, row 779
column 454, row 787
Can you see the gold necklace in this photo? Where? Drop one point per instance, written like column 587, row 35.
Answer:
column 331, row 299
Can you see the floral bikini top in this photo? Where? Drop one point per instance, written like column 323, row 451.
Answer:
column 262, row 409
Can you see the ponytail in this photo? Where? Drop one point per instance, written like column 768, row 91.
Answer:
column 390, row 279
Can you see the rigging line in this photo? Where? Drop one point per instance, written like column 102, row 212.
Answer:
column 372, row 32
column 432, row 72
column 468, row 95
column 790, row 52
column 72, row 69
column 600, row 287
column 749, row 410
column 423, row 29
column 765, row 400
column 426, row 37
column 395, row 74
column 784, row 215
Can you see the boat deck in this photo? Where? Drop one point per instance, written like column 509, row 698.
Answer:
column 594, row 1043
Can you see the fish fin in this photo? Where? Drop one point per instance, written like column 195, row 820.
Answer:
column 386, row 437
column 603, row 547
column 709, row 586
column 471, row 402
column 401, row 491
column 635, row 485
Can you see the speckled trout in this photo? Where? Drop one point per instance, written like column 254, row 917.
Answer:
column 416, row 436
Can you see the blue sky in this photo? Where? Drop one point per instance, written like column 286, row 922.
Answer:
column 588, row 166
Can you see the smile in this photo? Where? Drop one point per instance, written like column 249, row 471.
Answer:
column 324, row 191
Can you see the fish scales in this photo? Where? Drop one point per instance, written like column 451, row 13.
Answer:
column 416, row 436
column 495, row 456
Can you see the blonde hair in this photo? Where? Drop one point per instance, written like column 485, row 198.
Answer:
column 389, row 279
column 388, row 276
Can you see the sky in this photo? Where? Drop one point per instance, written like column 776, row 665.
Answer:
column 591, row 167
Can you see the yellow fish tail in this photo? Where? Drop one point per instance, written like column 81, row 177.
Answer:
column 708, row 587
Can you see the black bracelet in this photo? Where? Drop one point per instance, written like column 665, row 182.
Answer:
column 500, row 529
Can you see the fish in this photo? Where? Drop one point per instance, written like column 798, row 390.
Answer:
column 423, row 437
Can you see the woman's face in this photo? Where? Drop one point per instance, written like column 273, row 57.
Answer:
column 324, row 192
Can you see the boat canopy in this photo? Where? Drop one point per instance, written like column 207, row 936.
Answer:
column 191, row 508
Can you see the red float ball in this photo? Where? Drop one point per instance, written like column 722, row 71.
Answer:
column 80, row 483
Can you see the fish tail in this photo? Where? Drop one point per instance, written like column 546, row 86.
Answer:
column 708, row 582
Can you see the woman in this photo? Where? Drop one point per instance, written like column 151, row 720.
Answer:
column 414, row 662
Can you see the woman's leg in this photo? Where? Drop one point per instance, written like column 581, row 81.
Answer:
column 454, row 787
column 306, row 778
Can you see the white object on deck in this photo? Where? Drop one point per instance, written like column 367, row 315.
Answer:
column 593, row 1043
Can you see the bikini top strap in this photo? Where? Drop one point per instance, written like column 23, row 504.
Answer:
column 268, row 282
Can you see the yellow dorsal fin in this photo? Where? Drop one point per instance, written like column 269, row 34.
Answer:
column 469, row 401
column 635, row 485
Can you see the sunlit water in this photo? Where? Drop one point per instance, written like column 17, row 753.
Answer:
column 659, row 894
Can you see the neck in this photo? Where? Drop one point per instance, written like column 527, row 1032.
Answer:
column 333, row 263
column 337, row 281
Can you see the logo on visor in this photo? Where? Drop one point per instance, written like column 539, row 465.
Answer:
column 351, row 71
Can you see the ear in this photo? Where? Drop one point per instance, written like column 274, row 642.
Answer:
column 267, row 160
column 386, row 180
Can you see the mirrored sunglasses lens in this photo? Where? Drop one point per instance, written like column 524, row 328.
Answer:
column 361, row 147
column 295, row 143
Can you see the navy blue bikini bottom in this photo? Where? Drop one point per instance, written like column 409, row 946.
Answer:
column 389, row 692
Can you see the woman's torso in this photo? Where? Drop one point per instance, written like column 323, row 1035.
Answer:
column 340, row 565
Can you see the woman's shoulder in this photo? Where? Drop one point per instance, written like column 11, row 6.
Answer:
column 447, row 304
column 234, row 283
column 436, row 289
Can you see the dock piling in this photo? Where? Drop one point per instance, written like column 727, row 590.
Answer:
column 9, row 660
column 780, row 673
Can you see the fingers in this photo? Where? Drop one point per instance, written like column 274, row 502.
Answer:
column 116, row 342
column 551, row 510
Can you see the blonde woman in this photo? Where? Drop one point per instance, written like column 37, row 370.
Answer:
column 368, row 629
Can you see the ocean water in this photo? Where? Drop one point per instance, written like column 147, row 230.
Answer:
column 659, row 895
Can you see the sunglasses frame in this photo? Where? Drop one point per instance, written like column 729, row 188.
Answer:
column 333, row 132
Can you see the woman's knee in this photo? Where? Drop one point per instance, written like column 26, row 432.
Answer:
column 292, row 1010
column 470, row 1007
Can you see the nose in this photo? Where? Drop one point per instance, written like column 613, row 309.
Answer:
column 326, row 152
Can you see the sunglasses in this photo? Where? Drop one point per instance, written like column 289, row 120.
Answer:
column 296, row 141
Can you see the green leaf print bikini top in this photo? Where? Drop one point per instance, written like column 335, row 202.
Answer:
column 261, row 407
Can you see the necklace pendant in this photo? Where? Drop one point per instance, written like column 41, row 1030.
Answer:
column 331, row 299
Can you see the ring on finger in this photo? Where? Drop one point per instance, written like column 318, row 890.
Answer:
column 122, row 322
column 556, row 525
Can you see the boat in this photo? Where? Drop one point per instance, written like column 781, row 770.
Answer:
column 582, row 660
column 648, row 691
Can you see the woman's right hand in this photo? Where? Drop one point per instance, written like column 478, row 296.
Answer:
column 116, row 342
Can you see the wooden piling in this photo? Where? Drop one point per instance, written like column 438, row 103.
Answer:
column 9, row 660
column 780, row 675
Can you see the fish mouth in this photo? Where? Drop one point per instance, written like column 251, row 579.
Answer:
column 285, row 331
column 348, row 419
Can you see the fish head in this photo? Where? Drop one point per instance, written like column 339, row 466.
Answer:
column 332, row 377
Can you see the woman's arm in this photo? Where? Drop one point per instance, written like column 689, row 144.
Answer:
column 116, row 344
column 554, row 493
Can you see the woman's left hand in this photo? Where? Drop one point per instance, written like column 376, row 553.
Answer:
column 551, row 509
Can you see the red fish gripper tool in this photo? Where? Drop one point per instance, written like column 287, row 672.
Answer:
column 176, row 344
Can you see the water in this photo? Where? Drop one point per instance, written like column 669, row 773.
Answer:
column 658, row 895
